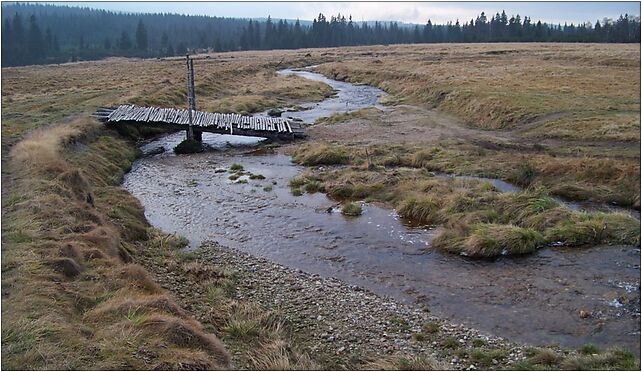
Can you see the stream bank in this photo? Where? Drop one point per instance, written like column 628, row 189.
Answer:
column 342, row 325
column 536, row 299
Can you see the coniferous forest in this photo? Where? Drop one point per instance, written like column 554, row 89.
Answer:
column 40, row 34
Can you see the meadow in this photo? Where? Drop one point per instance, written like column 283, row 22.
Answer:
column 557, row 119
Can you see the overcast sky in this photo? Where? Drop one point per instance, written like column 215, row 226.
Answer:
column 412, row 12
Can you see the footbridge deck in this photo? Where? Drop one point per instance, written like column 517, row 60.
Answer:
column 256, row 126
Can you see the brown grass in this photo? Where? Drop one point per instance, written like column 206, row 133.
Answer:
column 66, row 244
column 504, row 90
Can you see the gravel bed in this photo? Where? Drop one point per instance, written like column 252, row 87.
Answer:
column 345, row 321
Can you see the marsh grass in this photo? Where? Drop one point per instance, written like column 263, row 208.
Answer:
column 82, row 233
column 588, row 358
column 321, row 154
column 484, row 358
column 236, row 167
column 351, row 209
column 476, row 219
column 367, row 113
column 495, row 91
column 405, row 363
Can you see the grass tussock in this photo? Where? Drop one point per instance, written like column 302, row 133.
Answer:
column 424, row 210
column 405, row 363
column 613, row 359
column 491, row 240
column 596, row 228
column 236, row 167
column 366, row 113
column 321, row 154
column 351, row 209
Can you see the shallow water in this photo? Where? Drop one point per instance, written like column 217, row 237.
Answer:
column 348, row 98
column 534, row 299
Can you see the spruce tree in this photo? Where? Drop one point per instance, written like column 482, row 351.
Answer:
column 125, row 42
column 35, row 42
column 141, row 36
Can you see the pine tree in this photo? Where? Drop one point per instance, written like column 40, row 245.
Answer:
column 141, row 36
column 268, row 40
column 164, row 41
column 125, row 42
column 181, row 49
column 249, row 36
column 297, row 40
column 48, row 42
column 17, row 43
column 6, row 40
column 35, row 42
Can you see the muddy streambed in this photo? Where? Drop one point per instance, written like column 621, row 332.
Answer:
column 534, row 299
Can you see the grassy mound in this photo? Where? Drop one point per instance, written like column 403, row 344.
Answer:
column 424, row 210
column 321, row 154
column 72, row 299
column 351, row 209
column 491, row 240
column 597, row 228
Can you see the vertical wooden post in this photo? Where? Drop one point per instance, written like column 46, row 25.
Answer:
column 190, row 130
column 193, row 134
column 191, row 75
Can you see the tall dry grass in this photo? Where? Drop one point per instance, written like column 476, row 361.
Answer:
column 72, row 299
column 595, row 87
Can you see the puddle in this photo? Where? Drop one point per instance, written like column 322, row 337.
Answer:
column 534, row 299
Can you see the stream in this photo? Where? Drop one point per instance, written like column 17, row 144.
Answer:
column 533, row 299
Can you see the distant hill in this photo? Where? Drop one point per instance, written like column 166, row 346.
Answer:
column 43, row 33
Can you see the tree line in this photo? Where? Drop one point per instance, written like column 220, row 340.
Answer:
column 38, row 34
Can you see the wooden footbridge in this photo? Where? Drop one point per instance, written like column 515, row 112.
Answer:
column 196, row 122
column 155, row 117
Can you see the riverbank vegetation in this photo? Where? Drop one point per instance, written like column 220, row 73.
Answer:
column 72, row 296
column 476, row 218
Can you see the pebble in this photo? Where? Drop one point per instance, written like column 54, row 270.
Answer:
column 332, row 316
